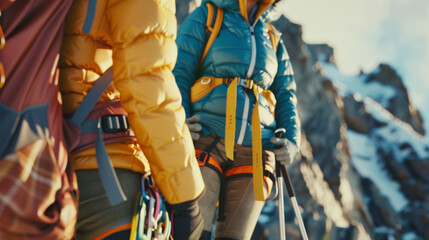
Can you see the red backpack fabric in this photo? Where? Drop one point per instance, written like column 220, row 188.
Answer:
column 38, row 189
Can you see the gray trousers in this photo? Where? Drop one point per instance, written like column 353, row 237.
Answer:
column 96, row 215
column 241, row 211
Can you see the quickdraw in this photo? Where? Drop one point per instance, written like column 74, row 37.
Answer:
column 150, row 219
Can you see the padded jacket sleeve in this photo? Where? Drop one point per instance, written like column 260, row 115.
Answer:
column 190, row 41
column 144, row 54
column 284, row 88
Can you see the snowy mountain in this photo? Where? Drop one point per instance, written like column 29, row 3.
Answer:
column 364, row 141
column 363, row 170
column 391, row 158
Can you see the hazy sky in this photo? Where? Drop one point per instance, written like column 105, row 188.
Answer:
column 367, row 32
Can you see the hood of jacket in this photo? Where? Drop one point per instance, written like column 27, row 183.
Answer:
column 240, row 5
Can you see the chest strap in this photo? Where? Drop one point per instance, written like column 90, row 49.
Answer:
column 204, row 85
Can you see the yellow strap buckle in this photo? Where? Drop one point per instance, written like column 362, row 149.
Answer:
column 246, row 83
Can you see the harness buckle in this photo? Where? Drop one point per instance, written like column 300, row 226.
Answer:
column 246, row 83
column 114, row 123
column 203, row 158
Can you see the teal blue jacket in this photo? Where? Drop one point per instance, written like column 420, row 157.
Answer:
column 235, row 54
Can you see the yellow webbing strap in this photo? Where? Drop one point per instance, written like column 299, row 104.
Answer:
column 231, row 105
column 214, row 30
column 258, row 168
column 203, row 86
column 209, row 17
column 258, row 165
column 135, row 219
column 273, row 36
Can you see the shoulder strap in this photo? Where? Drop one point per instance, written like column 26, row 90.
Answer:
column 273, row 36
column 92, row 97
column 212, row 27
column 108, row 175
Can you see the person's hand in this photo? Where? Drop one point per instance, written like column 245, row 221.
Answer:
column 284, row 150
column 194, row 126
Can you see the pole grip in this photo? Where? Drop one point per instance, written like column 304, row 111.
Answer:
column 279, row 133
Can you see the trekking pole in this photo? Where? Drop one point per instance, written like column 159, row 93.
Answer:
column 278, row 133
column 281, row 203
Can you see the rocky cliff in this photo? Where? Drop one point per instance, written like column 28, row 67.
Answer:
column 363, row 170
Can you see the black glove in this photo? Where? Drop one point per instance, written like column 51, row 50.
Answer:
column 187, row 220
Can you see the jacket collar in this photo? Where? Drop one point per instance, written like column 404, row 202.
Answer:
column 240, row 5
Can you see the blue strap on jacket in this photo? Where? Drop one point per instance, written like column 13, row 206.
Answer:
column 108, row 176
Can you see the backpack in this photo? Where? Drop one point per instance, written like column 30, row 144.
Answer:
column 38, row 188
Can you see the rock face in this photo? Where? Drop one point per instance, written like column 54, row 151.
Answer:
column 334, row 181
column 321, row 109
column 399, row 105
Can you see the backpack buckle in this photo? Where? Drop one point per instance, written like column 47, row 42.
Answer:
column 114, row 123
column 246, row 83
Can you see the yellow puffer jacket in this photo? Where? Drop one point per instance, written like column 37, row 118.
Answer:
column 138, row 38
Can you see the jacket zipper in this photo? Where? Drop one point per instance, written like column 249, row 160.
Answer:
column 253, row 56
column 248, row 75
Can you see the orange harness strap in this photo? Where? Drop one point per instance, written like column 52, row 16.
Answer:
column 112, row 231
column 204, row 159
column 247, row 171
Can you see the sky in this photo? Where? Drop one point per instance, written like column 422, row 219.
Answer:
column 365, row 33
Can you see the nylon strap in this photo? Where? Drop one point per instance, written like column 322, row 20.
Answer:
column 273, row 36
column 258, row 165
column 136, row 215
column 213, row 30
column 107, row 173
column 92, row 97
column 210, row 9
column 231, row 107
column 230, row 120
